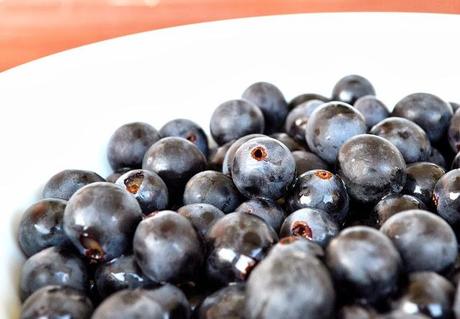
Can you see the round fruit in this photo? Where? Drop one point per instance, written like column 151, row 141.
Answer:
column 290, row 284
column 424, row 240
column 234, row 119
column 147, row 187
column 263, row 167
column 129, row 143
column 167, row 248
column 57, row 302
column 371, row 168
column 41, row 226
column 227, row 302
column 421, row 179
column 408, row 137
column 100, row 220
column 331, row 125
column 176, row 160
column 322, row 190
column 428, row 111
column 446, row 197
column 266, row 209
column 52, row 266
column 164, row 302
column 65, row 183
column 215, row 188
column 372, row 109
column 393, row 204
column 348, row 257
column 238, row 242
column 352, row 87
column 118, row 274
column 189, row 130
column 297, row 119
column 312, row 224
column 427, row 293
column 272, row 103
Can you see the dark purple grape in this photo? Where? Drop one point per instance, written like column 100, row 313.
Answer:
column 65, row 183
column 294, row 244
column 230, row 155
column 41, row 226
column 364, row 264
column 238, row 242
column 100, row 220
column 272, row 103
column 189, row 130
column 373, row 110
column 215, row 188
column 455, row 162
column 147, row 187
column 129, row 143
column 428, row 111
column 167, row 248
column 421, row 179
column 56, row 302
column 52, row 266
column 297, row 119
column 392, row 204
column 437, row 158
column 453, row 133
column 408, row 137
column 112, row 178
column 290, row 283
column 446, row 197
column 356, row 312
column 424, row 240
column 176, row 160
column 352, row 87
column 202, row 216
column 312, row 224
column 164, row 302
column 456, row 305
column 371, row 168
column 330, row 126
column 302, row 98
column 266, row 209
column 234, row 119
column 322, row 190
column 397, row 314
column 455, row 106
column 427, row 293
column 118, row 274
column 263, row 167
column 227, row 302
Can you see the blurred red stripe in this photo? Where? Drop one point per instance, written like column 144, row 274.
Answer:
column 32, row 29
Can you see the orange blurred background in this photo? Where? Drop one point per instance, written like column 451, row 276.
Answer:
column 30, row 29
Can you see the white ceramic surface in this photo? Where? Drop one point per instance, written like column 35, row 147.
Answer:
column 58, row 112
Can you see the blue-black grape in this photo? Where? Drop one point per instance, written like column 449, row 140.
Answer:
column 55, row 302
column 424, row 240
column 430, row 112
column 41, row 226
column 330, row 126
column 371, row 168
column 263, row 167
column 100, row 220
column 189, row 130
column 167, row 248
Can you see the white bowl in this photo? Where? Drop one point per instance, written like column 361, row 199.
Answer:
column 58, row 112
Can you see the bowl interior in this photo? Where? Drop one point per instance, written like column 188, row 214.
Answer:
column 59, row 112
